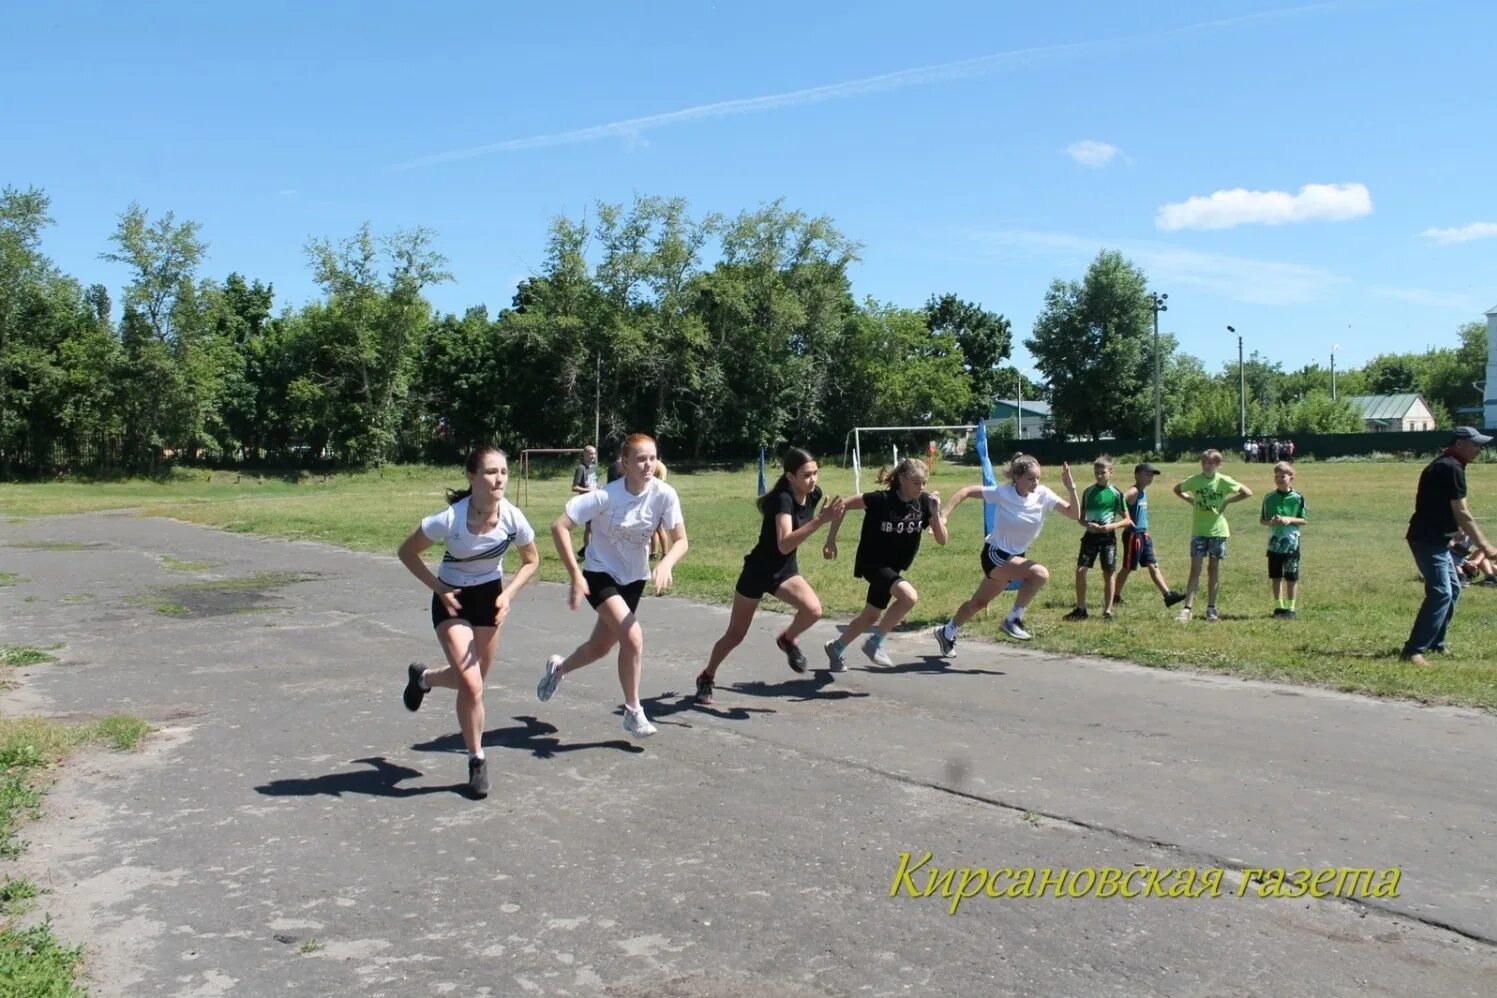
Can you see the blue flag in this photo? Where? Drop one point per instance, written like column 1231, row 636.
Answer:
column 989, row 514
column 988, row 478
column 761, row 469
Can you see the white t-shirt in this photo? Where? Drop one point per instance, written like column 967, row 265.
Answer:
column 473, row 559
column 622, row 526
column 1019, row 518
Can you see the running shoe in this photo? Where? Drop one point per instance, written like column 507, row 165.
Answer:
column 637, row 724
column 1211, row 615
column 947, row 645
column 834, row 657
column 478, row 776
column 414, row 692
column 875, row 650
column 1172, row 597
column 551, row 679
column 1184, row 615
column 704, row 690
column 793, row 654
column 1015, row 630
column 1077, row 614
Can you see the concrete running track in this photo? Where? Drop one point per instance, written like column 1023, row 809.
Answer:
column 292, row 829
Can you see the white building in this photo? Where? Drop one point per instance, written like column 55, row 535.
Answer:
column 1394, row 413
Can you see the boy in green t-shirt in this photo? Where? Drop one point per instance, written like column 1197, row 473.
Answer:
column 1103, row 514
column 1209, row 494
column 1283, row 510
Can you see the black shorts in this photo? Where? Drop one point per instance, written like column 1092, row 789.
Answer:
column 1284, row 565
column 475, row 605
column 1138, row 550
column 601, row 586
column 881, row 583
column 993, row 557
column 1093, row 545
column 755, row 583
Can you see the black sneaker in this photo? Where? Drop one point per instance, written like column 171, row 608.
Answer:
column 1117, row 600
column 1172, row 597
column 1288, row 614
column 793, row 654
column 704, row 690
column 478, row 776
column 413, row 691
column 1076, row 614
column 947, row 645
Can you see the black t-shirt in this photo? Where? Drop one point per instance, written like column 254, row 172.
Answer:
column 891, row 531
column 1442, row 482
column 766, row 558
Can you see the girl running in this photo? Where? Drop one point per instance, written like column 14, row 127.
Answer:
column 1021, row 508
column 789, row 517
column 892, row 526
column 469, row 598
column 625, row 515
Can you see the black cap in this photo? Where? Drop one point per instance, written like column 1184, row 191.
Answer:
column 1145, row 466
column 1470, row 433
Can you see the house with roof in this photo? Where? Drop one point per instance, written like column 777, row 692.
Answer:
column 1394, row 413
column 1035, row 422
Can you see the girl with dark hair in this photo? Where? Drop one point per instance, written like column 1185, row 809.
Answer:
column 469, row 598
column 789, row 517
column 625, row 515
column 1020, row 508
column 893, row 523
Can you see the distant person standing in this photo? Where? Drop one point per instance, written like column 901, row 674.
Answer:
column 585, row 480
column 1440, row 512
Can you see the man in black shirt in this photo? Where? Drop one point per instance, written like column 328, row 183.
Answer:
column 1440, row 511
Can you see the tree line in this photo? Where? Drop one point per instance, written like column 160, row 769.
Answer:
column 717, row 334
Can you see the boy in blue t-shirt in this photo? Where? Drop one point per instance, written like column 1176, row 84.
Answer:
column 1138, row 546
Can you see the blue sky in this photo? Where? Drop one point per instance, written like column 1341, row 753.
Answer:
column 979, row 148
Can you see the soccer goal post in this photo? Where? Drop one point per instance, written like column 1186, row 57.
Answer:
column 854, row 441
column 525, row 466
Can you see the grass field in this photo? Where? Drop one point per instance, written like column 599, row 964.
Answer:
column 1358, row 596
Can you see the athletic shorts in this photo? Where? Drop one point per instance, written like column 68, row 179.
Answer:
column 601, row 586
column 1093, row 545
column 1138, row 550
column 475, row 605
column 754, row 584
column 993, row 557
column 1216, row 547
column 881, row 583
column 1284, row 565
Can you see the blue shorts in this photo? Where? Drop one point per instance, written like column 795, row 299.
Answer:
column 1138, row 550
column 1216, row 547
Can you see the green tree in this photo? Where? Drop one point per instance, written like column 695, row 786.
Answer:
column 985, row 340
column 1093, row 344
column 372, row 330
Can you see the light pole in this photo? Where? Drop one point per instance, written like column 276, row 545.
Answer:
column 1241, row 390
column 1334, row 348
column 1157, row 305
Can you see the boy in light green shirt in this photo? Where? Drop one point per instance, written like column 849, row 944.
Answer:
column 1284, row 510
column 1209, row 494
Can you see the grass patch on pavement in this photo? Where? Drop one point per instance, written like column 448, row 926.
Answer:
column 19, row 655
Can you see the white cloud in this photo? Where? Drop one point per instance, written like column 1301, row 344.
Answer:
column 1431, row 299
column 959, row 69
column 1463, row 234
column 1091, row 152
column 1225, row 209
column 1260, row 282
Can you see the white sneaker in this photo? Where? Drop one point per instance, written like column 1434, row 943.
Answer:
column 876, row 652
column 947, row 645
column 551, row 679
column 1015, row 630
column 1184, row 615
column 833, row 657
column 637, row 724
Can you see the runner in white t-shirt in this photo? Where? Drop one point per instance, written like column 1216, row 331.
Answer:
column 469, row 598
column 1021, row 507
column 625, row 515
